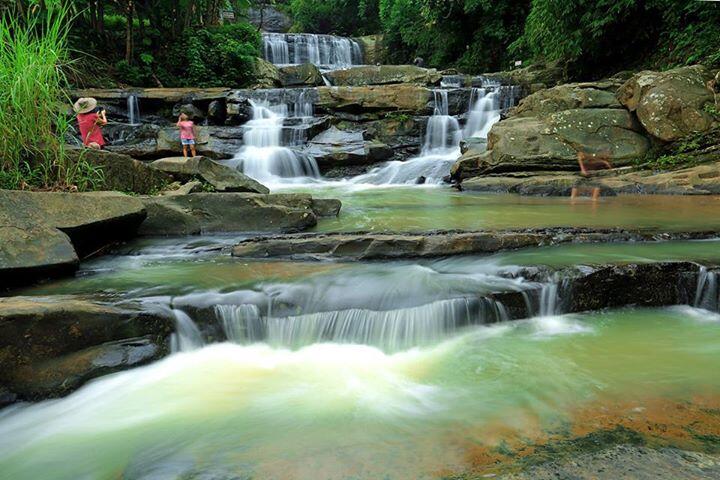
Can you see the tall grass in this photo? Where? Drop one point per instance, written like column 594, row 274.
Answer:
column 34, row 101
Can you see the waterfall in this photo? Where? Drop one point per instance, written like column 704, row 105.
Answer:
column 263, row 157
column 187, row 335
column 325, row 51
column 133, row 109
column 483, row 113
column 707, row 294
column 440, row 149
column 392, row 330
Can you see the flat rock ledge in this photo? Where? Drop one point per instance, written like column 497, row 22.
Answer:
column 372, row 246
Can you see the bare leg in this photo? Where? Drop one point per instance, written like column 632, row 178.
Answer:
column 595, row 194
column 192, row 149
column 185, row 151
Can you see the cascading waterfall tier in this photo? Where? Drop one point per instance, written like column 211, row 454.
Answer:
column 325, row 51
column 440, row 149
column 707, row 295
column 391, row 330
column 264, row 157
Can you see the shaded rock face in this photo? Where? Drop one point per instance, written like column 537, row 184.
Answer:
column 221, row 177
column 373, row 49
column 269, row 19
column 307, row 75
column 227, row 212
column 29, row 252
column 122, row 172
column 51, row 346
column 335, row 147
column 44, row 233
column 383, row 75
column 670, row 104
column 382, row 98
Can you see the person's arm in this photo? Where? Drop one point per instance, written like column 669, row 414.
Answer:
column 178, row 122
column 102, row 119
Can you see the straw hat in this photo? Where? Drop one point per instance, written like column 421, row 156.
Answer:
column 85, row 105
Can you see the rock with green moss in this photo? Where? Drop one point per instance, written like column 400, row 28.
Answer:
column 305, row 75
column 221, row 177
column 565, row 97
column 373, row 49
column 266, row 75
column 671, row 104
column 383, row 75
column 409, row 99
column 121, row 172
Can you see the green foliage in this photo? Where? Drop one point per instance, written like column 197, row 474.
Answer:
column 33, row 118
column 342, row 17
column 712, row 109
column 604, row 36
column 218, row 56
column 470, row 34
column 689, row 151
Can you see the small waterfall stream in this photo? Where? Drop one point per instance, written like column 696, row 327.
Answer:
column 707, row 295
column 133, row 110
column 264, row 157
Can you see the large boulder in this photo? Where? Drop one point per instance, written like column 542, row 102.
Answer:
column 565, row 97
column 335, row 147
column 228, row 212
column 29, row 252
column 91, row 220
column 383, row 75
column 122, row 172
column 266, row 74
column 269, row 19
column 221, row 177
column 670, row 104
column 413, row 99
column 553, row 142
column 50, row 346
column 307, row 75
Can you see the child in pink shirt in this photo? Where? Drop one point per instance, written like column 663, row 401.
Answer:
column 187, row 134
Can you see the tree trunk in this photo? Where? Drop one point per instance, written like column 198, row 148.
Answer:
column 101, row 16
column 129, row 32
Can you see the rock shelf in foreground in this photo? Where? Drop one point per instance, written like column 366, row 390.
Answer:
column 371, row 246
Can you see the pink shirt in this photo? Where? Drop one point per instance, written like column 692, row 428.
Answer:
column 90, row 131
column 186, row 130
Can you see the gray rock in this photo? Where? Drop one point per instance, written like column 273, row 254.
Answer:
column 193, row 112
column 269, row 19
column 221, row 177
column 193, row 186
column 326, row 207
column 306, row 74
column 227, row 212
column 370, row 246
column 383, row 75
column 335, row 147
column 52, row 345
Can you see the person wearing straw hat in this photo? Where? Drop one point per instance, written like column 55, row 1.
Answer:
column 90, row 120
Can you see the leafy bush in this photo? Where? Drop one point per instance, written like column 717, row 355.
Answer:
column 33, row 122
column 342, row 17
column 219, row 56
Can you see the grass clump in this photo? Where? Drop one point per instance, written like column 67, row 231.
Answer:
column 33, row 118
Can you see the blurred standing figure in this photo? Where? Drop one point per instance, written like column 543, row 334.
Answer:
column 90, row 122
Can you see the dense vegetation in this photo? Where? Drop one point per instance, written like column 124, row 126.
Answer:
column 166, row 43
column 33, row 122
column 592, row 37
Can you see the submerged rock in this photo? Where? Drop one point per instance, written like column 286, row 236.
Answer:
column 227, row 212
column 221, row 177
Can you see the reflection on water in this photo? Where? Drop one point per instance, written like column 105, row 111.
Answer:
column 353, row 411
column 439, row 208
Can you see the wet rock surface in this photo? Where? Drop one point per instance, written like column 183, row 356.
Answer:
column 50, row 346
column 368, row 246
column 43, row 234
column 335, row 147
column 227, row 212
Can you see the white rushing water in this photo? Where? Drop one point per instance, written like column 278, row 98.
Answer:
column 325, row 51
column 133, row 110
column 484, row 112
column 440, row 149
column 264, row 157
